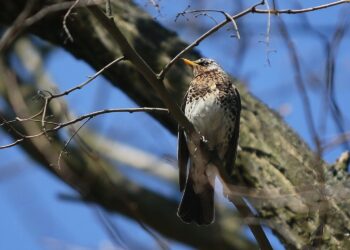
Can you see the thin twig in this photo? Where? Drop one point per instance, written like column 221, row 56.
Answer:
column 19, row 119
column 46, row 102
column 268, row 32
column 111, row 229
column 298, row 11
column 18, row 141
column 83, row 117
column 162, row 243
column 299, row 81
column 48, row 96
column 235, row 26
column 333, row 48
column 69, row 140
column 206, row 15
column 23, row 23
column 251, row 9
column 338, row 140
column 228, row 17
column 64, row 23
column 161, row 75
column 91, row 78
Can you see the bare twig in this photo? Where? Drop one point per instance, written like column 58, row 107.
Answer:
column 206, row 15
column 338, row 140
column 268, row 32
column 300, row 85
column 204, row 12
column 46, row 102
column 23, row 21
column 12, row 144
column 162, row 243
column 111, row 229
column 64, row 23
column 298, row 11
column 48, row 96
column 252, row 9
column 91, row 78
column 69, row 140
column 83, row 117
column 161, row 75
column 332, row 50
column 19, row 119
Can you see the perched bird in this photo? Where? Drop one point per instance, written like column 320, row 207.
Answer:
column 212, row 103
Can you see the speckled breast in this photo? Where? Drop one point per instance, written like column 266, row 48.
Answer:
column 212, row 117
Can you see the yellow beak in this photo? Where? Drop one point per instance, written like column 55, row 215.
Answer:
column 189, row 62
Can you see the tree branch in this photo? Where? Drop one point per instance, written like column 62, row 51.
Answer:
column 65, row 124
column 299, row 11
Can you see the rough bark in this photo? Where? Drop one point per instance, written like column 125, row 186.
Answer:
column 275, row 170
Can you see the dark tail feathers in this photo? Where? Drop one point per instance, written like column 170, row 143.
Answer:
column 197, row 207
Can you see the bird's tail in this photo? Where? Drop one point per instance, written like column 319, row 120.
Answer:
column 197, row 207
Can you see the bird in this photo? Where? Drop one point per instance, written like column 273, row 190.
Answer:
column 212, row 104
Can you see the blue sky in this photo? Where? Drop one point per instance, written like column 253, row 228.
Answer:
column 32, row 215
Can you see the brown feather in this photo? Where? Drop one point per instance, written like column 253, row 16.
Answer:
column 182, row 156
column 233, row 144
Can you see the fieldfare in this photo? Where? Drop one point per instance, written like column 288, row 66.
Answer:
column 212, row 103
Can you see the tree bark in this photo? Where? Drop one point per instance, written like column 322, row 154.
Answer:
column 275, row 170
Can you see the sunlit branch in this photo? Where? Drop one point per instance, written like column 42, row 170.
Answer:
column 298, row 11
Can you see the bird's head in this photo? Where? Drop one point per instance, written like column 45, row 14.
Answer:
column 202, row 65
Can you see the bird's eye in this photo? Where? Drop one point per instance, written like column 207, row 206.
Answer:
column 204, row 63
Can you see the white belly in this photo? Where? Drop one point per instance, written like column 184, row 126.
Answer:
column 210, row 120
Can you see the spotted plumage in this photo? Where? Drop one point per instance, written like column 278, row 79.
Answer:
column 212, row 103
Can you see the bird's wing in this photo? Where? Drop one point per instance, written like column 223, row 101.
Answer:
column 233, row 144
column 182, row 153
